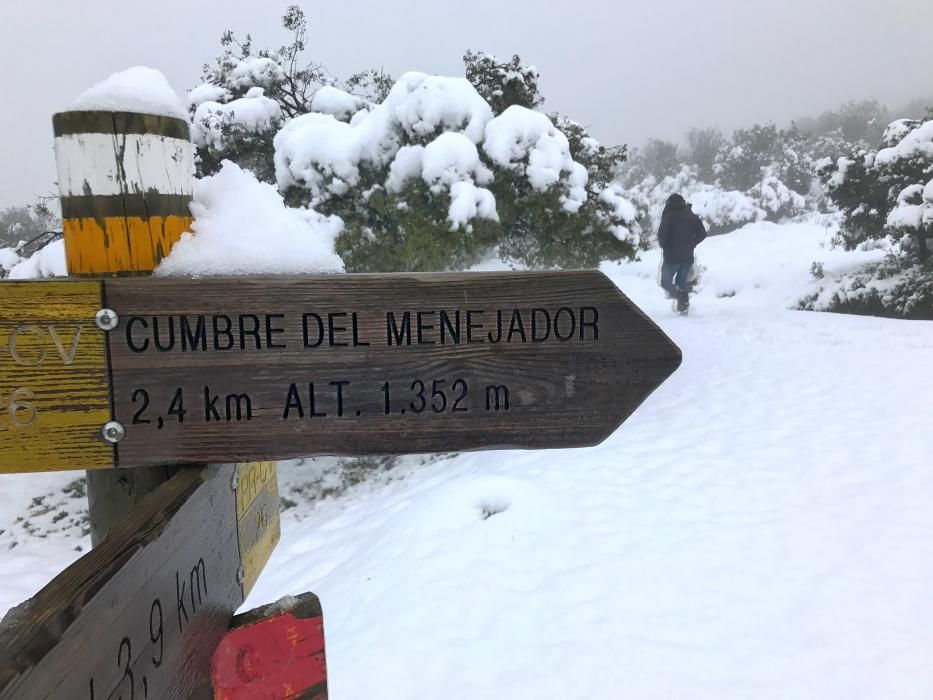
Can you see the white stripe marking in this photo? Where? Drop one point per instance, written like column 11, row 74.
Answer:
column 91, row 164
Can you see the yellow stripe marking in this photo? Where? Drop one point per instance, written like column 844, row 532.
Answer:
column 120, row 244
column 54, row 388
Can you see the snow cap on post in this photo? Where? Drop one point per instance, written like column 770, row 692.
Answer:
column 125, row 174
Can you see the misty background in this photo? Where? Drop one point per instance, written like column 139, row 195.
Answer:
column 628, row 70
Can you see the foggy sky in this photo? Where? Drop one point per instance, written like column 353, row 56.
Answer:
column 629, row 70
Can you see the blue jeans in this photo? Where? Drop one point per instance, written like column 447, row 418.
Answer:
column 674, row 278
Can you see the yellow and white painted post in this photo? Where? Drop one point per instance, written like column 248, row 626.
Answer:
column 126, row 180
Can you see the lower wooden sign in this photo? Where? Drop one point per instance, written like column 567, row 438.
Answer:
column 232, row 369
column 275, row 652
column 140, row 615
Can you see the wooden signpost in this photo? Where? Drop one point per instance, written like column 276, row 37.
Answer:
column 140, row 615
column 134, row 378
column 222, row 370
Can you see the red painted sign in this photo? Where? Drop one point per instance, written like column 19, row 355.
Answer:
column 273, row 653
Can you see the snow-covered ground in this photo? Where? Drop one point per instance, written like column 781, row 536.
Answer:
column 760, row 528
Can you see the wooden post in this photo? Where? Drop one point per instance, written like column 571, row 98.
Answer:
column 126, row 181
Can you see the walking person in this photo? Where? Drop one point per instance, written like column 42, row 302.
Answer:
column 679, row 233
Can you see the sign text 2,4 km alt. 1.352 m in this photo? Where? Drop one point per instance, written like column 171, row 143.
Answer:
column 140, row 371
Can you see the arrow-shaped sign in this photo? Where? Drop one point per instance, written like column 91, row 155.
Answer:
column 140, row 371
column 139, row 616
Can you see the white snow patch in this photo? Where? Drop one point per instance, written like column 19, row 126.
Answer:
column 336, row 102
column 9, row 258
column 527, row 141
column 838, row 178
column 208, row 92
column 242, row 226
column 897, row 130
column 918, row 143
column 468, row 202
column 254, row 113
column 312, row 149
column 48, row 261
column 255, row 71
column 909, row 210
column 407, row 165
column 137, row 89
column 622, row 207
column 424, row 104
column 450, row 158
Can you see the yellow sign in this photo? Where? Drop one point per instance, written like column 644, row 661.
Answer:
column 257, row 514
column 54, row 386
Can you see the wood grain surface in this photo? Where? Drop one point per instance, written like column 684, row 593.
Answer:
column 261, row 368
column 221, row 369
column 140, row 615
column 54, row 388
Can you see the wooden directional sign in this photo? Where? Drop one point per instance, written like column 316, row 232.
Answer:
column 215, row 369
column 140, row 615
column 274, row 652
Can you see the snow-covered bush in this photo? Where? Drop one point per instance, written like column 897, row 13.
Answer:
column 896, row 287
column 241, row 128
column 426, row 172
column 777, row 199
column 742, row 159
column 249, row 93
column 48, row 261
column 502, row 83
column 888, row 195
column 702, row 148
column 761, row 173
column 431, row 179
column 721, row 210
column 21, row 224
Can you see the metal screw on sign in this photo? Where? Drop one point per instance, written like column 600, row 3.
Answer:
column 106, row 319
column 113, row 432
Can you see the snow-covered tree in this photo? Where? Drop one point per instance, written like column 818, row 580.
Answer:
column 884, row 193
column 17, row 225
column 703, row 145
column 426, row 172
column 246, row 96
column 432, row 179
column 372, row 85
column 742, row 159
column 859, row 122
column 502, row 83
column 26, row 224
column 657, row 159
column 721, row 210
column 908, row 166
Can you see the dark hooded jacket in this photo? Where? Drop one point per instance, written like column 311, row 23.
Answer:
column 680, row 231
